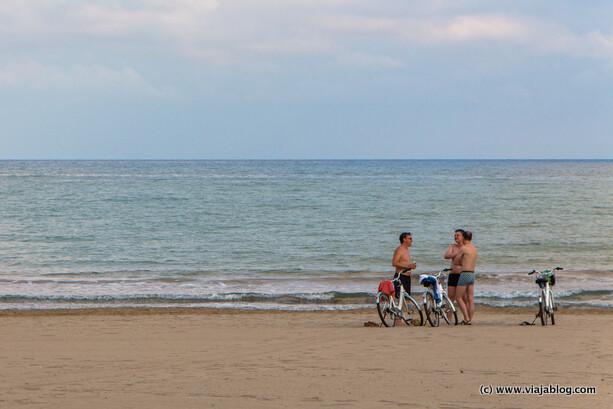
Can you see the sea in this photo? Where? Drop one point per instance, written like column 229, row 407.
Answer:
column 296, row 235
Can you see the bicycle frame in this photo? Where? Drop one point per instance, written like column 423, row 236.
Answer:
column 546, row 297
column 400, row 299
column 398, row 308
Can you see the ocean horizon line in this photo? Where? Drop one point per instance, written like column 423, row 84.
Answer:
column 316, row 160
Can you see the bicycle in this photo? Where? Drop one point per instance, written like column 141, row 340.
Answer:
column 547, row 304
column 405, row 308
column 444, row 308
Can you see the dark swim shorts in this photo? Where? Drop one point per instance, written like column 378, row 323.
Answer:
column 452, row 281
column 406, row 283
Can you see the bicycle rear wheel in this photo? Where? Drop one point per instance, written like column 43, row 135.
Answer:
column 450, row 315
column 429, row 307
column 411, row 312
column 542, row 311
column 384, row 307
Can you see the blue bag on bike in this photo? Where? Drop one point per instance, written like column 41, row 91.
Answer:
column 429, row 281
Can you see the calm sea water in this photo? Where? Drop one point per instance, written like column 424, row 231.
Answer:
column 294, row 234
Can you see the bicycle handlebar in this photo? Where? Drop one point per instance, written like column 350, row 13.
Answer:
column 546, row 271
column 437, row 275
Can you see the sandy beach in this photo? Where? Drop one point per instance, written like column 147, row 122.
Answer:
column 197, row 358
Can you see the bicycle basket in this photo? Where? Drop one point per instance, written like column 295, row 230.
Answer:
column 442, row 280
column 552, row 280
column 541, row 281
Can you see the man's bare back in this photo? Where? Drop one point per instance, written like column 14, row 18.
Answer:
column 466, row 257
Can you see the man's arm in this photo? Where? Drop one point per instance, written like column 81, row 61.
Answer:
column 451, row 252
column 457, row 259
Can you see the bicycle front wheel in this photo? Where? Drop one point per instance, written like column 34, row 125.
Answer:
column 552, row 308
column 384, row 307
column 553, row 321
column 430, row 307
column 450, row 315
column 411, row 312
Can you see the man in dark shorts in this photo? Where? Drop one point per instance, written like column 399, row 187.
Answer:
column 454, row 274
column 402, row 262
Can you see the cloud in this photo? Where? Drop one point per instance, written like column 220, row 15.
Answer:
column 432, row 29
column 102, row 19
column 368, row 61
column 488, row 27
column 119, row 19
column 602, row 44
column 35, row 76
column 243, row 32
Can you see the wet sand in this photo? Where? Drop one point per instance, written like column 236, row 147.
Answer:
column 200, row 358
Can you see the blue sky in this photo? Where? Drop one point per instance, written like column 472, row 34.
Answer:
column 302, row 79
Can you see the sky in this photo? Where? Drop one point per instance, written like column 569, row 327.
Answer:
column 306, row 79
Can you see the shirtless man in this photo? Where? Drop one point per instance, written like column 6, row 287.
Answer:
column 402, row 262
column 466, row 259
column 451, row 252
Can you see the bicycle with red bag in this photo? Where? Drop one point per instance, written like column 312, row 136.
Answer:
column 392, row 309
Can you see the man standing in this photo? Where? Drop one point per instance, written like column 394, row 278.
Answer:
column 402, row 262
column 450, row 254
column 466, row 258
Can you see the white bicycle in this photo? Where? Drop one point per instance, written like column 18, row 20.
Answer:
column 547, row 304
column 444, row 308
column 404, row 308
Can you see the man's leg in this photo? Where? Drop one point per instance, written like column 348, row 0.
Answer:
column 470, row 292
column 406, row 283
column 451, row 293
column 460, row 291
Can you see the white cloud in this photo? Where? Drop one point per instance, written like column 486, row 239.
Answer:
column 488, row 27
column 599, row 45
column 368, row 61
column 78, row 78
column 171, row 17
column 256, row 31
column 432, row 29
column 602, row 41
column 101, row 18
column 548, row 38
